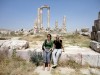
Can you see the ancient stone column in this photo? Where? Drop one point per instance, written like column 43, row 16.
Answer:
column 35, row 26
column 99, row 15
column 48, row 16
column 64, row 22
column 38, row 19
column 56, row 24
column 41, row 18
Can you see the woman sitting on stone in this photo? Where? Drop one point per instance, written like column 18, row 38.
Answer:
column 58, row 48
column 47, row 50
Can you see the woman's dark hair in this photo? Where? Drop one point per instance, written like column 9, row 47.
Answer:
column 49, row 35
column 57, row 37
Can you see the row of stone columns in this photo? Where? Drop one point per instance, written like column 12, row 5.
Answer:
column 38, row 25
column 63, row 24
column 40, row 17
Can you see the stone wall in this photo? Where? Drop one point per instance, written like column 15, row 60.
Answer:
column 95, row 35
column 83, row 56
column 80, row 55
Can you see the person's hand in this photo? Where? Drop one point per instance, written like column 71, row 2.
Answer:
column 50, row 49
column 44, row 48
column 63, row 51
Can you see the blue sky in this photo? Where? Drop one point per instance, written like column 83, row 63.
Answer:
column 17, row 14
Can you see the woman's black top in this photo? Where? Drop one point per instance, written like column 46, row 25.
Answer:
column 58, row 44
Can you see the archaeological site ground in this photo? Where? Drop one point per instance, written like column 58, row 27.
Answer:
column 21, row 50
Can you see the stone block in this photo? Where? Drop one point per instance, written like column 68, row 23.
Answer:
column 92, row 36
column 95, row 46
column 1, row 42
column 96, row 36
column 90, row 59
column 23, row 54
column 77, row 57
column 97, row 24
column 63, row 57
column 93, row 28
column 27, row 53
column 14, row 44
column 85, row 30
column 98, row 33
column 98, row 64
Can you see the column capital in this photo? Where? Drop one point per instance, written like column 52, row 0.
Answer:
column 41, row 8
column 48, row 8
column 38, row 8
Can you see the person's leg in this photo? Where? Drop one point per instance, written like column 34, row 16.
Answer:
column 44, row 59
column 54, row 56
column 59, row 51
column 48, row 66
column 48, row 59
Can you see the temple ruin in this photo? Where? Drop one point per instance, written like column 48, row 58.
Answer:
column 38, row 23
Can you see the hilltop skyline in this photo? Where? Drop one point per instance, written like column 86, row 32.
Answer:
column 17, row 14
